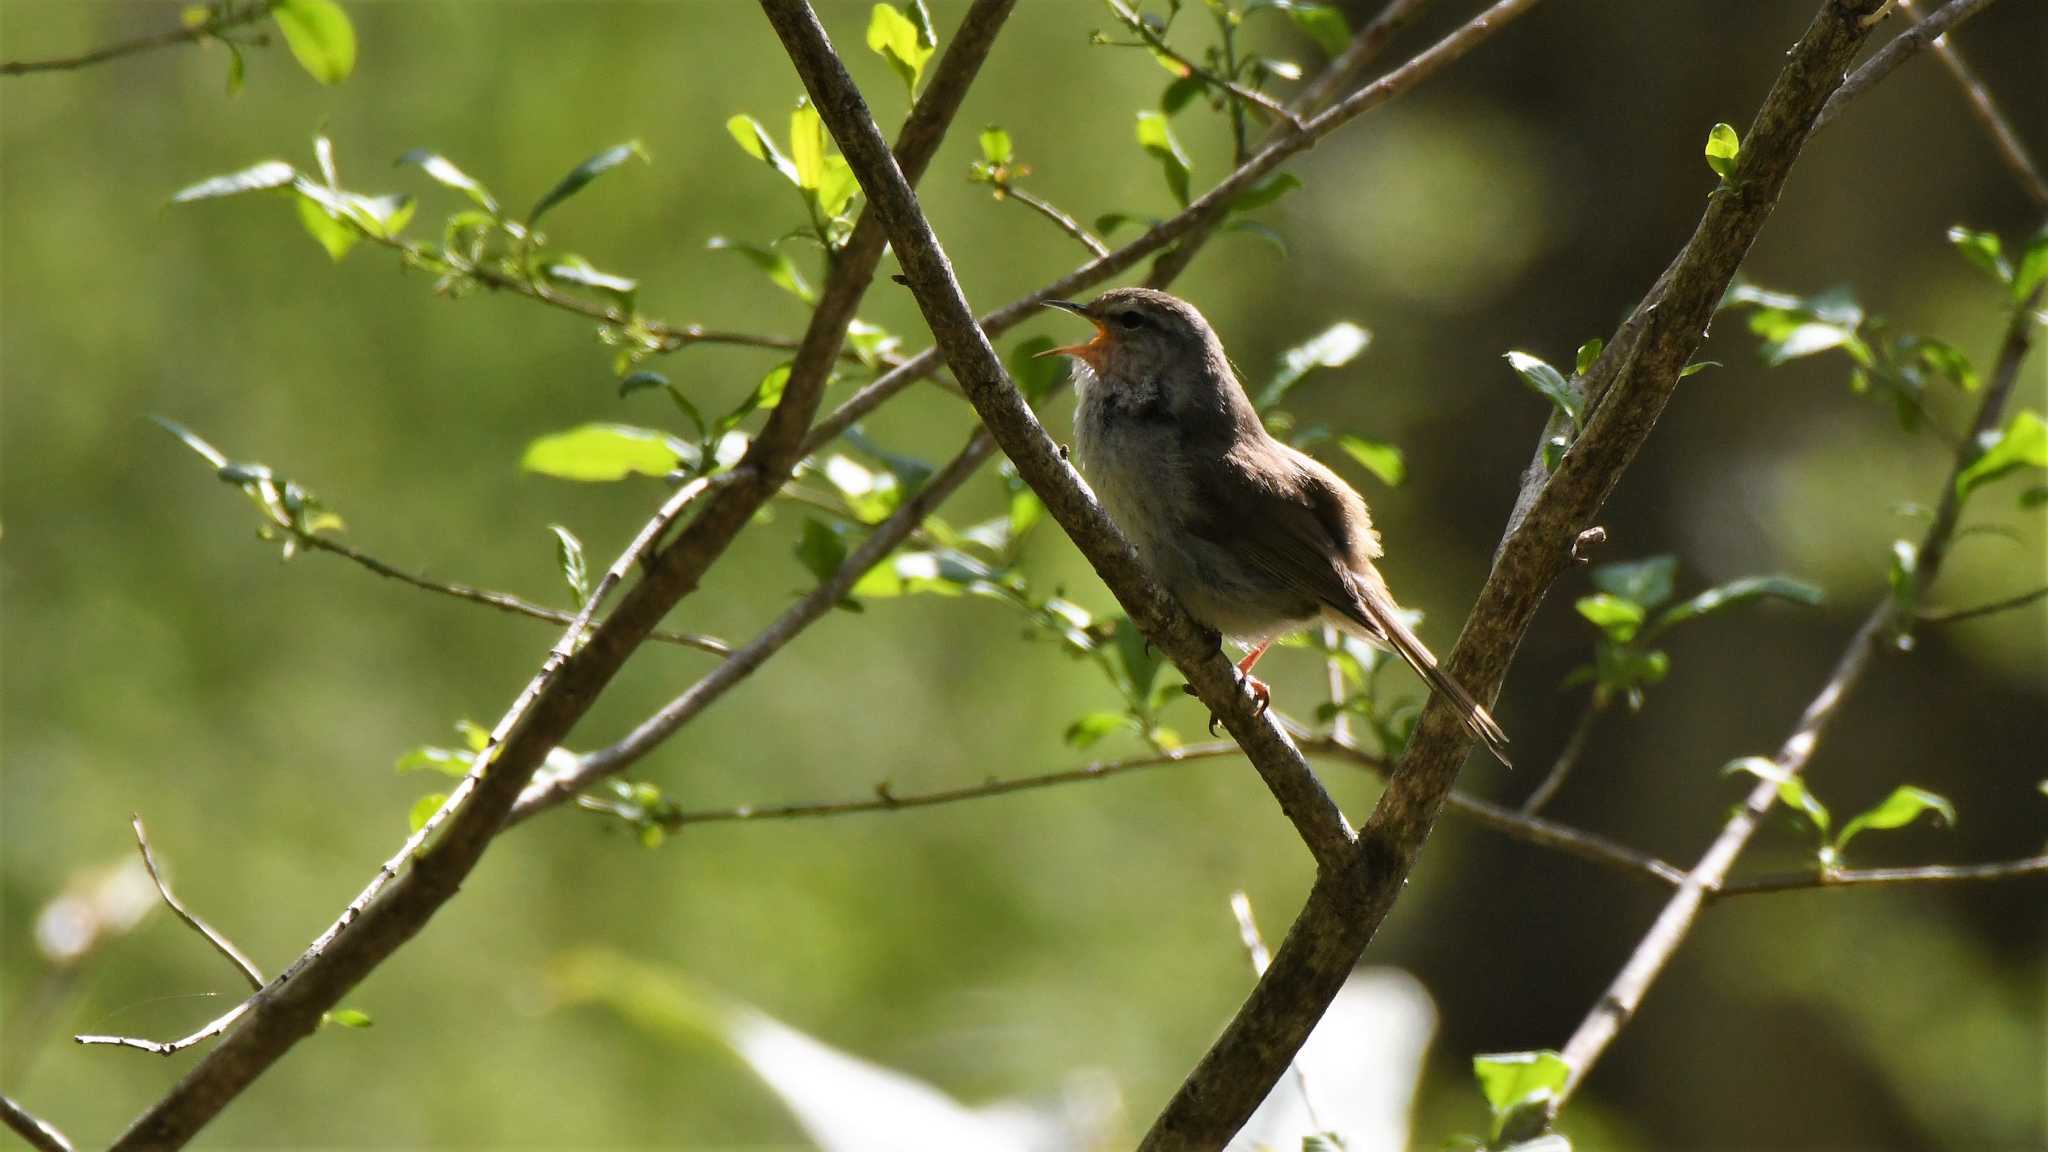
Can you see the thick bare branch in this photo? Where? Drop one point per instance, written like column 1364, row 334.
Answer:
column 1346, row 906
column 31, row 1128
column 576, row 671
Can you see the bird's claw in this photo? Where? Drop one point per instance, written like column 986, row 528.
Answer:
column 1262, row 699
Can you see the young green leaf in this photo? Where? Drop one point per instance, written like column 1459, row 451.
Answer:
column 903, row 37
column 1333, row 347
column 259, row 178
column 1792, row 791
column 1724, row 152
column 807, row 145
column 428, row 758
column 1737, row 592
column 320, row 37
column 820, row 549
column 206, row 451
column 996, row 149
column 1902, row 807
column 774, row 264
column 1647, row 581
column 572, row 269
column 2032, row 269
column 1381, row 459
column 1588, row 353
column 755, row 141
column 1324, row 23
column 2022, row 443
column 1548, row 382
column 1983, row 250
column 603, row 452
column 347, row 1018
column 1265, row 192
column 583, row 174
column 1155, row 136
column 1617, row 617
column 1511, row 1080
column 442, row 171
column 569, row 556
column 424, row 808
column 332, row 234
column 1090, row 729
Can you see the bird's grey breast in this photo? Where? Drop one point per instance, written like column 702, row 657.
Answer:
column 1128, row 446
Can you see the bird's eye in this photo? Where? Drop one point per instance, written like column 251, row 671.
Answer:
column 1131, row 319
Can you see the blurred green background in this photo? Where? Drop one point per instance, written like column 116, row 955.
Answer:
column 158, row 660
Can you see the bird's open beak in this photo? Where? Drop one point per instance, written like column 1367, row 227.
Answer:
column 1089, row 352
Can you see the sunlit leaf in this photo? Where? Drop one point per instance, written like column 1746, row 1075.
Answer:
column 1792, row 791
column 1548, row 382
column 1738, row 592
column 1983, row 250
column 1617, row 617
column 903, row 36
column 603, row 452
column 1511, row 1080
column 320, row 37
column 1090, row 729
column 569, row 557
column 423, row 810
column 2022, row 443
column 1155, row 136
column 347, row 1018
column 333, row 235
column 755, row 141
column 995, row 146
column 1902, row 807
column 1333, row 347
column 1381, row 459
column 261, row 177
column 1648, row 581
column 443, row 171
column 2032, row 269
column 1724, row 151
column 774, row 264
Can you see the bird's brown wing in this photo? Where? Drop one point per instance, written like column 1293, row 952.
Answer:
column 1296, row 524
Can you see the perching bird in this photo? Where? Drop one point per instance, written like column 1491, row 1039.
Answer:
column 1255, row 538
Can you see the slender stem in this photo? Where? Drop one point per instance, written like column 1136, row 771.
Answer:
column 2011, row 152
column 1629, row 987
column 40, row 1135
column 1567, row 757
column 1925, row 875
column 1238, row 92
column 227, row 19
column 1940, row 616
column 1900, row 49
column 503, row 601
column 1061, row 220
column 221, row 944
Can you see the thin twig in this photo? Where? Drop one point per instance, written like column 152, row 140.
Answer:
column 227, row 20
column 1625, row 994
column 40, row 1135
column 1239, row 92
column 1061, row 220
column 1941, row 616
column 220, row 943
column 1929, row 874
column 503, row 601
column 2011, row 152
column 1567, row 757
column 1897, row 51
column 1262, row 959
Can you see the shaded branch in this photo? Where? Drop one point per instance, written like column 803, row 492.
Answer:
column 31, row 1128
column 1061, row 220
column 1567, row 757
column 221, row 944
column 1930, row 874
column 2011, row 152
column 1939, row 616
column 1625, row 994
column 1345, row 906
column 1238, row 92
column 1897, row 51
column 226, row 20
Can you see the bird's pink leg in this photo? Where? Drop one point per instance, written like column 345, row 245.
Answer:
column 1260, row 693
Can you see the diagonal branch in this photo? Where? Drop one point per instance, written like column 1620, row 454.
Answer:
column 1897, row 51
column 227, row 19
column 31, row 1128
column 221, row 944
column 400, row 899
column 2011, row 152
column 1655, row 950
column 1346, row 906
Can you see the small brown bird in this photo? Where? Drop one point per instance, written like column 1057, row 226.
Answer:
column 1255, row 538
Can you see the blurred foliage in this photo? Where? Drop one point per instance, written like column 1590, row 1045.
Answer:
column 996, row 950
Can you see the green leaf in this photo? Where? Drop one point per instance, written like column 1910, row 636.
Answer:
column 572, row 269
column 320, row 37
column 1791, row 789
column 2034, row 497
column 1617, row 617
column 1589, row 352
column 1697, row 367
column 2023, row 443
column 259, row 178
column 1090, row 729
column 569, row 556
column 820, row 549
column 1381, row 459
column 1548, row 382
column 774, row 264
column 807, row 145
column 1901, row 578
column 1265, row 192
column 1899, row 809
column 1738, row 592
column 1324, row 23
column 583, row 174
column 1035, row 374
column 427, row 758
column 1724, row 152
column 1511, row 1080
column 766, row 395
column 996, row 149
column 1646, row 581
column 1333, row 347
column 238, row 69
column 2033, row 268
column 1983, row 250
column 755, row 141
column 442, row 171
column 1804, row 339
column 904, row 38
column 331, row 234
column 424, row 808
column 1155, row 136
column 1180, row 93
column 347, row 1018
column 602, row 452
column 208, row 452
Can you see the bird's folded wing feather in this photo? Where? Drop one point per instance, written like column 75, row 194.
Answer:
column 1292, row 531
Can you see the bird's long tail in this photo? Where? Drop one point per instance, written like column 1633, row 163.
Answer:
column 1383, row 626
